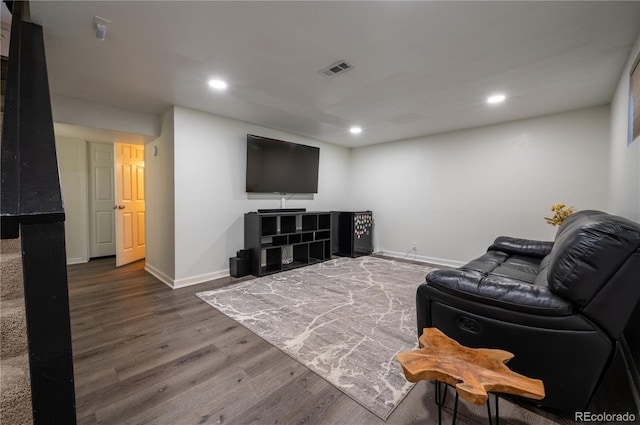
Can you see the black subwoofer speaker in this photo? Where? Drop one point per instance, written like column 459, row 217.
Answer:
column 238, row 267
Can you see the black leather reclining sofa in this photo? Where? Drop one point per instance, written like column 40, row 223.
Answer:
column 560, row 307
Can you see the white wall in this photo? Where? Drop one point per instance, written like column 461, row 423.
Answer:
column 5, row 30
column 624, row 187
column 450, row 193
column 69, row 110
column 72, row 164
column 210, row 197
column 454, row 193
column 160, row 203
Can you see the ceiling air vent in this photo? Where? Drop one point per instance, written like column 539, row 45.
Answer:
column 336, row 68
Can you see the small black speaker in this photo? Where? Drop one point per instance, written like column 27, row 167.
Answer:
column 238, row 267
column 245, row 254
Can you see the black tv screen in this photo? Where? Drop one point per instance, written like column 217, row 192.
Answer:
column 281, row 167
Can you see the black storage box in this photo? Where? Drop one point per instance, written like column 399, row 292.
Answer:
column 239, row 265
column 351, row 233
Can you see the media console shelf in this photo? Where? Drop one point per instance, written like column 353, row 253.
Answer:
column 286, row 240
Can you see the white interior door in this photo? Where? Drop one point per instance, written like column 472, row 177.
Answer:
column 102, row 234
column 129, row 206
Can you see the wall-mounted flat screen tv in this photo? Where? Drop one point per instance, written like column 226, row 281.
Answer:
column 276, row 166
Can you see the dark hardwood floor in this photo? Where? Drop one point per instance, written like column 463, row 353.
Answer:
column 147, row 354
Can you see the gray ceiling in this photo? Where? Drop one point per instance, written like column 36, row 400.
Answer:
column 419, row 67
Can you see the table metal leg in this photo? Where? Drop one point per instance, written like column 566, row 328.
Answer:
column 455, row 410
column 440, row 398
column 497, row 414
column 441, row 395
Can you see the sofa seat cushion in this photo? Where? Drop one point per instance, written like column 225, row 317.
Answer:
column 515, row 282
column 516, row 271
column 486, row 263
column 506, row 292
column 498, row 263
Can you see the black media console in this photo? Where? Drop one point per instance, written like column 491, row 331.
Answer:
column 285, row 240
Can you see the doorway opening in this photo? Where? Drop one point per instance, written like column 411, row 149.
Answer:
column 116, row 201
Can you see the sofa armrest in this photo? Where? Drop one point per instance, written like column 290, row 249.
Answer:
column 526, row 247
column 504, row 292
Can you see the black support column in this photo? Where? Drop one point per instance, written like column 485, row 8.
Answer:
column 31, row 207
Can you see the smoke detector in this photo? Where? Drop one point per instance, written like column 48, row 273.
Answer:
column 336, row 68
column 101, row 27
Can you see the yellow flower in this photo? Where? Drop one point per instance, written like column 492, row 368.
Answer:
column 561, row 212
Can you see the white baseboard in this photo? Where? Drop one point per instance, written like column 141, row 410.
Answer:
column 159, row 275
column 186, row 281
column 194, row 280
column 76, row 260
column 206, row 277
column 421, row 258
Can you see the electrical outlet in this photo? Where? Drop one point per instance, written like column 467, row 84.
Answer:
column 414, row 246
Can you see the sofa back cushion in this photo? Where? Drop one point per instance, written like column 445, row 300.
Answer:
column 589, row 248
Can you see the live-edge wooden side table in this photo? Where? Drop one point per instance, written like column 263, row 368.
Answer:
column 473, row 372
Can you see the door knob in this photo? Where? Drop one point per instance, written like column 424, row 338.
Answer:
column 119, row 207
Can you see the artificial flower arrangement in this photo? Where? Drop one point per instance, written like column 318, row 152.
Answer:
column 560, row 214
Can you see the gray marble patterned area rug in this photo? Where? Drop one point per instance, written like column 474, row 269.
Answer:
column 345, row 319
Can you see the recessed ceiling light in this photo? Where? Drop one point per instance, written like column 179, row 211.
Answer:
column 355, row 130
column 217, row 84
column 496, row 98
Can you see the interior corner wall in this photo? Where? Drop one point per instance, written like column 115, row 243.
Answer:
column 454, row 193
column 624, row 186
column 160, row 203
column 625, row 196
column 210, row 196
column 72, row 165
